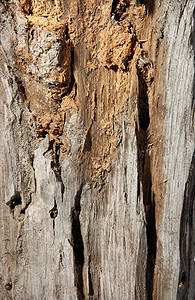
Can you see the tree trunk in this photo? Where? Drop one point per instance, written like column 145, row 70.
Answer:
column 96, row 149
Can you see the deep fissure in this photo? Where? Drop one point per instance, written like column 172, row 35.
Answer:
column 78, row 246
column 143, row 106
column 91, row 290
column 145, row 179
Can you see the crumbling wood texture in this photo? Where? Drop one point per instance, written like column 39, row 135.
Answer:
column 96, row 149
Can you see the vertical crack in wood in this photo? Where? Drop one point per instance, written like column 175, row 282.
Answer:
column 143, row 106
column 91, row 290
column 187, row 251
column 145, row 178
column 78, row 246
column 55, row 165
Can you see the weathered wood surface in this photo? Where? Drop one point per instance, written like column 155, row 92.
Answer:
column 96, row 149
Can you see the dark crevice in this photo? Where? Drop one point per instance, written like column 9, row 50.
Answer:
column 138, row 186
column 183, row 277
column 119, row 8
column 50, row 148
column 114, row 68
column 145, row 177
column 91, row 290
column 32, row 33
column 54, row 227
column 192, row 35
column 56, row 167
column 143, row 106
column 88, row 141
column 187, row 250
column 149, row 4
column 182, row 9
column 43, row 134
column 78, row 246
column 53, row 214
column 14, row 201
column 151, row 243
column 54, row 211
column 67, row 33
column 115, row 3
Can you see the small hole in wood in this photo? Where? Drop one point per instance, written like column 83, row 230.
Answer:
column 14, row 201
column 8, row 286
column 53, row 213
